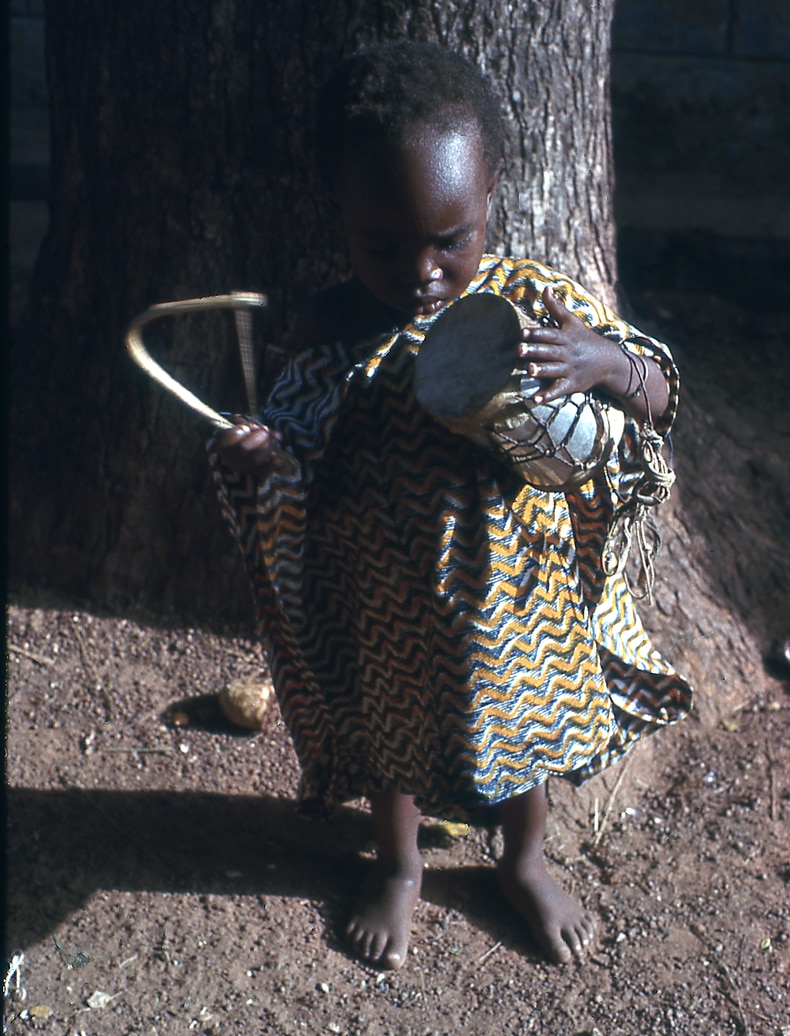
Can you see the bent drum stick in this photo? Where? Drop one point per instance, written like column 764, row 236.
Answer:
column 134, row 343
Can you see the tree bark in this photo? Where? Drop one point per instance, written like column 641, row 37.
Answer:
column 181, row 142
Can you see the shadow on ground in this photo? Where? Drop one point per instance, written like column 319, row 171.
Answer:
column 65, row 845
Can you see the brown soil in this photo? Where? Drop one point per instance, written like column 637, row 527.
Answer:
column 160, row 881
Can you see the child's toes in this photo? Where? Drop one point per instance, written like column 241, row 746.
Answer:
column 359, row 940
column 574, row 942
column 578, row 937
column 376, row 947
column 587, row 930
column 559, row 947
column 351, row 933
column 395, row 955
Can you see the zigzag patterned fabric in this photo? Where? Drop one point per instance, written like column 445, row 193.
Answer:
column 433, row 625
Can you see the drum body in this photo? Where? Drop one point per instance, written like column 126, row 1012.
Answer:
column 465, row 377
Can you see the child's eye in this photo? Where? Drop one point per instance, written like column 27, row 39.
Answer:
column 448, row 244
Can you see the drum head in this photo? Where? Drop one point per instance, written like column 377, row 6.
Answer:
column 467, row 356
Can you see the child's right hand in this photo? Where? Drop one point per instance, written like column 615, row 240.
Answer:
column 249, row 447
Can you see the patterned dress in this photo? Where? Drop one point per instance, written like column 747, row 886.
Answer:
column 435, row 626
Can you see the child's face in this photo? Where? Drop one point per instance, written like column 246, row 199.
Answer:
column 415, row 219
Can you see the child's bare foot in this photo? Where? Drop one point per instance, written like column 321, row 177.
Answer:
column 379, row 928
column 562, row 927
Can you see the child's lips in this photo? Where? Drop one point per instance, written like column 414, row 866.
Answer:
column 423, row 307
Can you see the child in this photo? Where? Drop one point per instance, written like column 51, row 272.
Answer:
column 442, row 637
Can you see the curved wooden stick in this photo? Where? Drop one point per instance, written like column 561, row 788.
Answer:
column 141, row 356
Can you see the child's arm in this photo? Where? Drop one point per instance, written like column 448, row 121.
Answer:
column 571, row 357
column 344, row 313
column 251, row 448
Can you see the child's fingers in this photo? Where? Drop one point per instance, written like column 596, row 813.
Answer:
column 244, row 419
column 562, row 317
column 254, row 452
column 553, row 335
column 554, row 306
column 244, row 439
column 256, row 437
column 229, row 437
column 541, row 349
column 547, row 371
column 554, row 390
column 233, row 436
column 535, row 335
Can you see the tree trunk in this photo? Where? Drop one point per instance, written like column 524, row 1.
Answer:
column 181, row 167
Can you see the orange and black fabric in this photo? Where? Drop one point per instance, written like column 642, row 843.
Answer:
column 433, row 625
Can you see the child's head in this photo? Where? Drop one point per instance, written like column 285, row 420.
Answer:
column 410, row 141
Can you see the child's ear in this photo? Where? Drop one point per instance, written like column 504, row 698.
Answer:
column 492, row 186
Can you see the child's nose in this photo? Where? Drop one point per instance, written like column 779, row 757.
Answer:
column 421, row 268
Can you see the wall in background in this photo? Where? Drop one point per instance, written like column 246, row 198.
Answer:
column 28, row 124
column 701, row 116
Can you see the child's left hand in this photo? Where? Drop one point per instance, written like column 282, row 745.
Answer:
column 569, row 357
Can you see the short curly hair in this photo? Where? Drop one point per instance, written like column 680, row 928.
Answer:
column 383, row 94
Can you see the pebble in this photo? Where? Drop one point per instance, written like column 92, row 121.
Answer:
column 453, row 829
column 98, row 1000
column 244, row 702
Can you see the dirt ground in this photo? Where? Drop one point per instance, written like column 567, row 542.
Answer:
column 160, row 881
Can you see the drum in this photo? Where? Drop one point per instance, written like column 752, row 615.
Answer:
column 466, row 377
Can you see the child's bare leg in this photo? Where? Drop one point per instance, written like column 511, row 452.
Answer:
column 379, row 927
column 561, row 925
